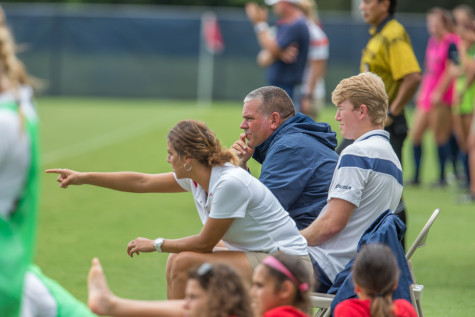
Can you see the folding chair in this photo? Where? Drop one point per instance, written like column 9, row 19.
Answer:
column 322, row 301
column 387, row 228
column 416, row 289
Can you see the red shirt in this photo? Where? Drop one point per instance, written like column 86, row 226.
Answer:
column 284, row 311
column 361, row 308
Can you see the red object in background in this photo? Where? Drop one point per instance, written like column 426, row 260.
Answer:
column 212, row 33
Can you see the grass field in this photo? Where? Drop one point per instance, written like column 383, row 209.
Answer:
column 79, row 223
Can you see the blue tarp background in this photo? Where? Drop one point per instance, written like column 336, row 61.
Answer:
column 152, row 51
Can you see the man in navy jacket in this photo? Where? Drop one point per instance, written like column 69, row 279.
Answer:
column 297, row 155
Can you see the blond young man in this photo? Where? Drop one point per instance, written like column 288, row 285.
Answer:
column 366, row 182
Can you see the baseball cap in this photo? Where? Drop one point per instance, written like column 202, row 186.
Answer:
column 272, row 2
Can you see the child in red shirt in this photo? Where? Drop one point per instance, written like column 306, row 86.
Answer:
column 375, row 276
column 281, row 287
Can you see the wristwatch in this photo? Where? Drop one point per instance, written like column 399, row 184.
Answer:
column 157, row 243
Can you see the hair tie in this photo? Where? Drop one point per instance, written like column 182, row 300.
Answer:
column 278, row 266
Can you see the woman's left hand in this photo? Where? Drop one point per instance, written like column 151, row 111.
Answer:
column 140, row 245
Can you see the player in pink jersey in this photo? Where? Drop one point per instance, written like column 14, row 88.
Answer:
column 436, row 94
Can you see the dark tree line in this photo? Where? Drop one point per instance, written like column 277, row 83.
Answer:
column 419, row 6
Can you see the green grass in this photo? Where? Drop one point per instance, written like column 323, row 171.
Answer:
column 79, row 223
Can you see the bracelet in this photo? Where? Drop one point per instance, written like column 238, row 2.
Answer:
column 390, row 115
column 261, row 26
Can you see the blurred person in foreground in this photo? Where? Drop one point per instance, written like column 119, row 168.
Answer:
column 24, row 290
column 366, row 182
column 281, row 286
column 297, row 155
column 212, row 290
column 389, row 54
column 234, row 207
column 292, row 31
column 436, row 96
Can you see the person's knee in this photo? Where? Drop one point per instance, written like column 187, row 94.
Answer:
column 170, row 260
column 180, row 264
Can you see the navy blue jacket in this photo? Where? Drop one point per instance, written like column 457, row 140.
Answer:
column 298, row 161
column 387, row 229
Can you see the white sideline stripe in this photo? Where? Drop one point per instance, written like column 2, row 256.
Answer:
column 99, row 141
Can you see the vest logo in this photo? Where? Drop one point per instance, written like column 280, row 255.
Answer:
column 344, row 187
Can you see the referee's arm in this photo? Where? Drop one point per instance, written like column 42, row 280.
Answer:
column 407, row 89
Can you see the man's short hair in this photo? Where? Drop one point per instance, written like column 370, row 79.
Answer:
column 273, row 99
column 364, row 89
column 392, row 6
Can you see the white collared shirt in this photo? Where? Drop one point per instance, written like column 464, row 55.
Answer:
column 260, row 222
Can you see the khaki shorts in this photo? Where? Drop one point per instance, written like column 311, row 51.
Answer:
column 255, row 258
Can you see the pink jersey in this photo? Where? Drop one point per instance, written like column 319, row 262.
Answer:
column 437, row 53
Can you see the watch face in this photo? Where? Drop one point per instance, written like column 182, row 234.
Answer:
column 158, row 244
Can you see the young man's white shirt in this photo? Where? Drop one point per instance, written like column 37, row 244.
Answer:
column 369, row 176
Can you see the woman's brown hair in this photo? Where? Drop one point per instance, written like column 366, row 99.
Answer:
column 227, row 294
column 375, row 270
column 191, row 138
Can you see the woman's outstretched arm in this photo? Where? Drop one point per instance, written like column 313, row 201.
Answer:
column 123, row 181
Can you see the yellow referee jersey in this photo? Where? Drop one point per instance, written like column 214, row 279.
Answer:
column 389, row 54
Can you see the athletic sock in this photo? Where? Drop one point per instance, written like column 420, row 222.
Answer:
column 466, row 168
column 454, row 152
column 442, row 151
column 417, row 151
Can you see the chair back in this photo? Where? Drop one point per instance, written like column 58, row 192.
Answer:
column 422, row 237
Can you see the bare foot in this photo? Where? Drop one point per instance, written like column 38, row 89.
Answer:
column 100, row 297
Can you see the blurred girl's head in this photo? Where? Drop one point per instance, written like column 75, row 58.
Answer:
column 462, row 14
column 12, row 71
column 439, row 22
column 375, row 275
column 216, row 290
column 464, row 21
column 193, row 139
column 309, row 8
column 281, row 279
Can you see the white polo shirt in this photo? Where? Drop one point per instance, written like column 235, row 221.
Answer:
column 260, row 222
column 368, row 175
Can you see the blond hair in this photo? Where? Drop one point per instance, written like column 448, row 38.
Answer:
column 309, row 8
column 445, row 17
column 364, row 89
column 12, row 71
